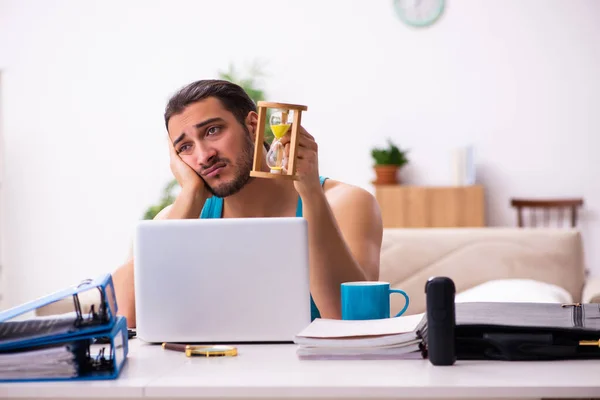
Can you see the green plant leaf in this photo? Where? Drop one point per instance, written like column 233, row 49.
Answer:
column 392, row 155
column 167, row 198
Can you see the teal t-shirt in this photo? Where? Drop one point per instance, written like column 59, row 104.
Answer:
column 213, row 208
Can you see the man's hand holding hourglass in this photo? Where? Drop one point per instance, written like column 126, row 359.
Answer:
column 307, row 162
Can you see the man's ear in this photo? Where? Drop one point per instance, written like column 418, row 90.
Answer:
column 252, row 123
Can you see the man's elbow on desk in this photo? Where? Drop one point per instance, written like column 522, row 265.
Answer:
column 124, row 292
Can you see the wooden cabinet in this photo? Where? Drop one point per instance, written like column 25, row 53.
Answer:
column 404, row 206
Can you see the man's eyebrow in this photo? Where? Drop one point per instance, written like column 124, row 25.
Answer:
column 208, row 121
column 198, row 126
column 179, row 139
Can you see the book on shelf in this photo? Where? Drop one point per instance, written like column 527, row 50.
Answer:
column 389, row 338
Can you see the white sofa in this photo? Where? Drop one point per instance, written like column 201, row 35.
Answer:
column 492, row 264
column 488, row 264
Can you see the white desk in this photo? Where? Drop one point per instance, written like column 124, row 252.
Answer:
column 275, row 372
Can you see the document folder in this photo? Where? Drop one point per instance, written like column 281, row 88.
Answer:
column 527, row 331
column 90, row 356
column 60, row 346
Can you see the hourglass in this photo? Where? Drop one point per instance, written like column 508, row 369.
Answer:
column 283, row 116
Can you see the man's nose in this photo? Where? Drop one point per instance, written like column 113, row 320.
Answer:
column 205, row 155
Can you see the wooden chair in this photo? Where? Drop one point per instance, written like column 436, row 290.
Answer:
column 546, row 205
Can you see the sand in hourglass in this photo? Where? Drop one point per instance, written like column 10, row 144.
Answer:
column 279, row 131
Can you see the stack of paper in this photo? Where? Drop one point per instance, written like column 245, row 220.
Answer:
column 393, row 338
column 50, row 362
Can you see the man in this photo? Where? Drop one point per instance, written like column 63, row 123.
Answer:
column 212, row 126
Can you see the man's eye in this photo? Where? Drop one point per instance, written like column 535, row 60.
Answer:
column 184, row 148
column 213, row 129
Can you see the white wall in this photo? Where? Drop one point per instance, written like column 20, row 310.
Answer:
column 85, row 83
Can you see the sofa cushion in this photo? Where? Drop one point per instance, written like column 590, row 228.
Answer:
column 474, row 256
column 515, row 290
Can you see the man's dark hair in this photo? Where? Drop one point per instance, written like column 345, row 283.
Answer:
column 232, row 96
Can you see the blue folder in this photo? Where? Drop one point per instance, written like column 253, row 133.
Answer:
column 63, row 346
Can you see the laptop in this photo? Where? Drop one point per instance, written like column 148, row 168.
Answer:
column 221, row 280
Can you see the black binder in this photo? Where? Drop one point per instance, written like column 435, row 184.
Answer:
column 526, row 331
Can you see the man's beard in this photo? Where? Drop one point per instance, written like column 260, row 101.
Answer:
column 242, row 168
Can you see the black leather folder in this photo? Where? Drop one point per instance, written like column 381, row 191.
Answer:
column 527, row 331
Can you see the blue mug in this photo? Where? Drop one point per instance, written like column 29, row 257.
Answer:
column 368, row 300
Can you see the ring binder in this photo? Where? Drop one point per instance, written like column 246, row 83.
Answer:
column 101, row 317
column 526, row 331
column 65, row 341
column 80, row 357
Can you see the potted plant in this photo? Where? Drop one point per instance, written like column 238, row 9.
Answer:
column 387, row 163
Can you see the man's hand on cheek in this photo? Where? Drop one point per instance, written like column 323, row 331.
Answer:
column 307, row 161
column 187, row 178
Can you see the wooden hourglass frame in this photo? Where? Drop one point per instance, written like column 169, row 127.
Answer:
column 290, row 172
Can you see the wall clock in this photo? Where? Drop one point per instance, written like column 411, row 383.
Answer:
column 419, row 12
